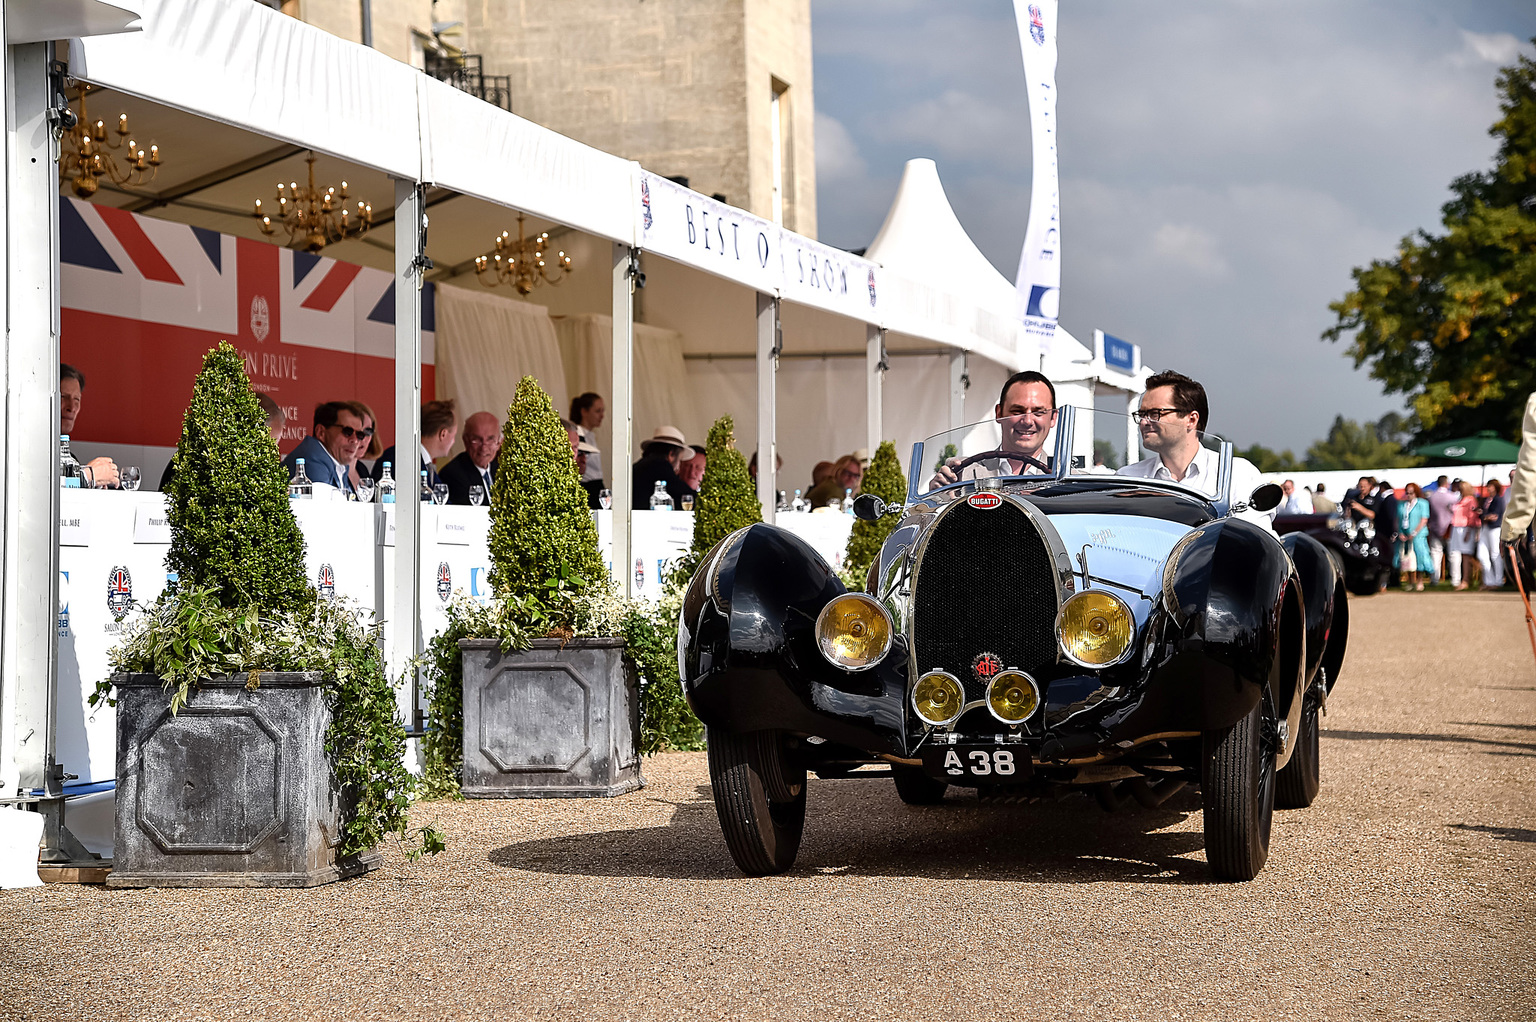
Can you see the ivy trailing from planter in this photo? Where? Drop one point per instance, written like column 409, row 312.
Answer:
column 242, row 603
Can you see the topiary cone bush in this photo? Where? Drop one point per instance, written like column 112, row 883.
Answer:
column 540, row 526
column 232, row 528
column 886, row 481
column 727, row 495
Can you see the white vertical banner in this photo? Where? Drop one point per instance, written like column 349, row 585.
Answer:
column 1039, row 280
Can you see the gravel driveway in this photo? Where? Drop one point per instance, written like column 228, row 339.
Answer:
column 1404, row 892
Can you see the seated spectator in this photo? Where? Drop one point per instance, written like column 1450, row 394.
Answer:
column 370, row 454
column 660, row 457
column 98, row 471
column 692, row 470
column 778, row 465
column 332, row 446
column 439, row 432
column 594, row 487
column 277, row 419
column 822, row 472
column 587, row 411
column 848, row 474
column 480, row 461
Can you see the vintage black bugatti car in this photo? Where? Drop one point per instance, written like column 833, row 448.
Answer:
column 1028, row 635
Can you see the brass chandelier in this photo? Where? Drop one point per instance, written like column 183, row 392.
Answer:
column 86, row 155
column 523, row 262
column 315, row 218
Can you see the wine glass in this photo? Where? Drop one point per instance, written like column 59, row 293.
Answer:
column 365, row 488
column 687, row 502
column 605, row 498
column 477, row 495
column 439, row 493
column 129, row 477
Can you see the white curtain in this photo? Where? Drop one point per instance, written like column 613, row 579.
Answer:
column 486, row 344
column 660, row 379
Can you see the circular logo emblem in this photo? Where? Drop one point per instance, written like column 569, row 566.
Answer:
column 871, row 289
column 984, row 501
column 986, row 666
column 261, row 318
column 1455, row 452
column 444, row 581
column 326, row 581
column 645, row 202
column 119, row 592
column 639, row 573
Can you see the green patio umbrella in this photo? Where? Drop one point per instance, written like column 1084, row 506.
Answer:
column 1487, row 448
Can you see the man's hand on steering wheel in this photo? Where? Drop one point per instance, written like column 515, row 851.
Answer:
column 949, row 472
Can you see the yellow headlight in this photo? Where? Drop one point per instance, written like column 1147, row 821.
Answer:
column 854, row 631
column 937, row 697
column 1095, row 629
column 1012, row 697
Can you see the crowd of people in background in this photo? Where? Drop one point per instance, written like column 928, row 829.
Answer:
column 1447, row 531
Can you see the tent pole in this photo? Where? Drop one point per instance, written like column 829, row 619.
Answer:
column 959, row 383
column 31, row 490
column 767, row 369
column 405, row 623
column 875, row 367
column 621, row 411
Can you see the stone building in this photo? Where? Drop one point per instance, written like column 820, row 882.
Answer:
column 716, row 91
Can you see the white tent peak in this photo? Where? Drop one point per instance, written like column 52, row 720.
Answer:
column 922, row 231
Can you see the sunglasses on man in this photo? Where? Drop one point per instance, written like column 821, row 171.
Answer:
column 356, row 434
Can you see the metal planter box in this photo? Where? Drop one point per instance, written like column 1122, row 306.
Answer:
column 559, row 720
column 235, row 790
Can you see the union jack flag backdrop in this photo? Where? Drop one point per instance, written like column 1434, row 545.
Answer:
column 144, row 299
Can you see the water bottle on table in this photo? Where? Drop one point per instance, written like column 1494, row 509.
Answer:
column 661, row 500
column 71, row 473
column 299, row 487
column 387, row 486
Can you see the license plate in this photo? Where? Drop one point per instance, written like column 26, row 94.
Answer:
column 977, row 762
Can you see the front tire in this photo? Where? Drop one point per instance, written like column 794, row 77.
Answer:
column 1297, row 784
column 759, row 798
column 915, row 787
column 1238, row 785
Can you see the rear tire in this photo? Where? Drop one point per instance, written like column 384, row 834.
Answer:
column 1296, row 785
column 1238, row 785
column 915, row 787
column 759, row 798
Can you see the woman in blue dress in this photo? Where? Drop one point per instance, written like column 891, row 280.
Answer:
column 1413, row 535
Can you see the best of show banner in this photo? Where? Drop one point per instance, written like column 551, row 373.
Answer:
column 758, row 253
column 143, row 300
column 1039, row 280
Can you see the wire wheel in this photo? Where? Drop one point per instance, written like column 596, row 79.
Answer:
column 759, row 797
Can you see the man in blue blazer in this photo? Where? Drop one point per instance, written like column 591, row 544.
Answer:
column 337, row 428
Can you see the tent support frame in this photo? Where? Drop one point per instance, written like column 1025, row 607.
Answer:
column 769, row 344
column 626, row 268
column 406, row 598
column 876, row 364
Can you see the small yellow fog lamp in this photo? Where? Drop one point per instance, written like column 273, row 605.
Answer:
column 938, row 698
column 1012, row 697
column 1095, row 629
column 854, row 631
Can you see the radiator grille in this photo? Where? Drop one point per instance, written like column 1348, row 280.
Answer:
column 985, row 584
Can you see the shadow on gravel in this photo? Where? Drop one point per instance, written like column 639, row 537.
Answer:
column 1502, row 833
column 1525, row 748
column 860, row 828
column 1502, row 727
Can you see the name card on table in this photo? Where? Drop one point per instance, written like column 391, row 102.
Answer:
column 453, row 532
column 387, row 526
column 75, row 529
column 150, row 525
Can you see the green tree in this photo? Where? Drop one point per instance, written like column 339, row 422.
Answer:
column 1450, row 319
column 1266, row 460
column 232, row 528
column 886, row 481
column 540, row 526
column 1350, row 444
column 727, row 495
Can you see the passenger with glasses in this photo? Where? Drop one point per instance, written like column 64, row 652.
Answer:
column 1173, row 415
column 339, row 436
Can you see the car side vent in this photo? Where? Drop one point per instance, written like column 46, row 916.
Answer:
column 984, row 584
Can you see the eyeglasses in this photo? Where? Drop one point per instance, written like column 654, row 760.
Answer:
column 356, row 434
column 1156, row 414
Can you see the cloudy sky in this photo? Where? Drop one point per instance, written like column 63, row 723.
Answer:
column 1224, row 165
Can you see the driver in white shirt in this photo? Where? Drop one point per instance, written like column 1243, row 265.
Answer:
column 1026, row 412
column 1172, row 416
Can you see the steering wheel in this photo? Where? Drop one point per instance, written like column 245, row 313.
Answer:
column 1010, row 455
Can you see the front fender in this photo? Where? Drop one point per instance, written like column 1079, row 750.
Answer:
column 747, row 648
